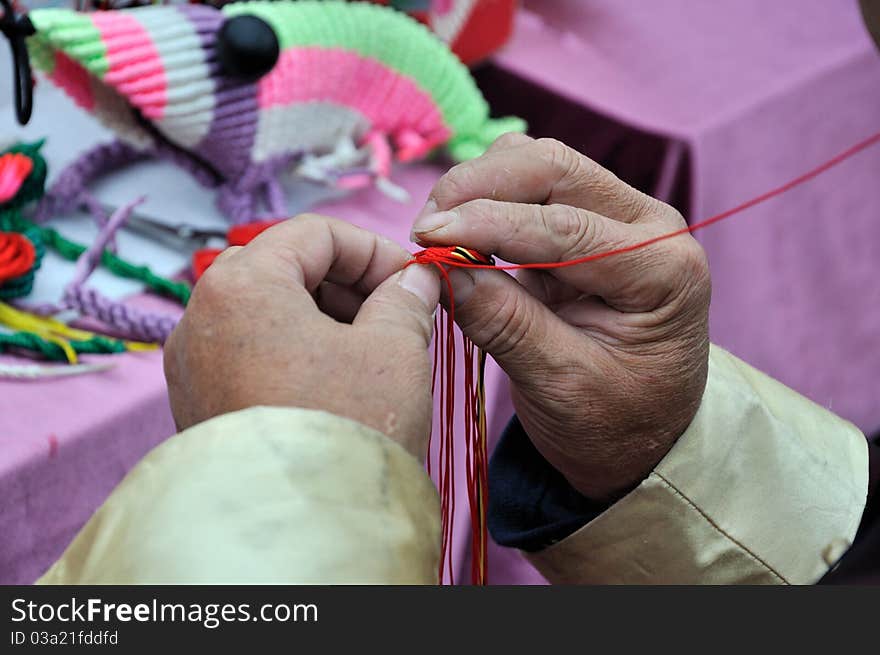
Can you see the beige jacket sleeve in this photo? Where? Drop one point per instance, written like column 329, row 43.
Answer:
column 262, row 496
column 764, row 487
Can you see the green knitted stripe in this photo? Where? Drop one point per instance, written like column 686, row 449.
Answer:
column 390, row 37
column 72, row 33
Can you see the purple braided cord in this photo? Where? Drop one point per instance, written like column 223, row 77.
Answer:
column 66, row 193
column 127, row 321
column 240, row 200
column 69, row 192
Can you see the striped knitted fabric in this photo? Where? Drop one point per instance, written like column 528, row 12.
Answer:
column 345, row 70
column 474, row 29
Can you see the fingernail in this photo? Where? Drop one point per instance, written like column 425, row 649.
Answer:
column 422, row 283
column 429, row 208
column 432, row 223
column 463, row 284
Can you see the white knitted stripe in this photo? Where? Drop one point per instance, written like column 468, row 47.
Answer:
column 314, row 127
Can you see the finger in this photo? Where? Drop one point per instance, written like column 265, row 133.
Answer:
column 524, row 234
column 340, row 303
column 406, row 301
column 542, row 171
column 519, row 331
column 549, row 290
column 310, row 249
column 227, row 252
column 508, row 141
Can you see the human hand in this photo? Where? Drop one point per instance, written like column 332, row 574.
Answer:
column 313, row 313
column 607, row 360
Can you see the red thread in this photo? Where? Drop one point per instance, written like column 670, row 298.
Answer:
column 476, row 456
column 17, row 255
column 443, row 255
column 443, row 383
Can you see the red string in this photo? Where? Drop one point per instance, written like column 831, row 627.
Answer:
column 445, row 255
column 476, row 471
column 476, row 455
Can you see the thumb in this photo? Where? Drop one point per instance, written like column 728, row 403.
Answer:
column 505, row 320
column 406, row 300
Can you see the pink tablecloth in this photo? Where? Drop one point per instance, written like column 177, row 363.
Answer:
column 702, row 103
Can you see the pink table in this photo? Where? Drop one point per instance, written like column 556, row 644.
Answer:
column 705, row 104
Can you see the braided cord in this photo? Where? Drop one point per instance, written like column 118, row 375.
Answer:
column 71, row 251
column 97, row 345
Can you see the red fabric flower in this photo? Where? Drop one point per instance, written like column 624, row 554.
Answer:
column 14, row 169
column 17, row 255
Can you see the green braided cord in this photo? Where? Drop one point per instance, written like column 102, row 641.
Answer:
column 17, row 287
column 97, row 345
column 71, row 251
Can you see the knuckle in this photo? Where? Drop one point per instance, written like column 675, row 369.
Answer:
column 223, row 280
column 490, row 215
column 696, row 270
column 566, row 161
column 671, row 214
column 456, row 185
column 571, row 228
column 508, row 140
column 690, row 282
column 507, row 324
column 693, row 261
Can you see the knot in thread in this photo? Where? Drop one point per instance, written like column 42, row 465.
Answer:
column 452, row 256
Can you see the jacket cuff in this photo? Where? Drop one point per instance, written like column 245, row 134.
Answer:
column 531, row 504
column 264, row 496
column 763, row 487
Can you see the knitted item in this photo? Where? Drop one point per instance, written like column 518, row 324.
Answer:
column 346, row 72
column 474, row 29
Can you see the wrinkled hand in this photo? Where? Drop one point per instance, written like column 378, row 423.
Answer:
column 313, row 313
column 607, row 360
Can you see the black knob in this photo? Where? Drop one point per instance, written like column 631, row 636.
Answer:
column 247, row 47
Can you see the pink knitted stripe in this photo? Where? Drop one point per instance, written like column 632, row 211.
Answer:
column 135, row 67
column 73, row 79
column 393, row 103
